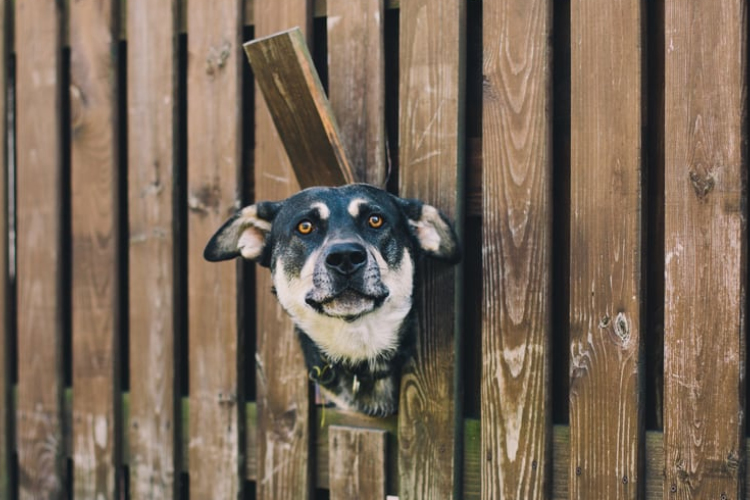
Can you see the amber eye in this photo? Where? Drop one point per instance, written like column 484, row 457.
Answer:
column 375, row 221
column 305, row 227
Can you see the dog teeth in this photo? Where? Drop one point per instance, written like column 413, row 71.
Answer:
column 355, row 386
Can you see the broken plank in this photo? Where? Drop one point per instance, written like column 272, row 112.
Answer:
column 299, row 108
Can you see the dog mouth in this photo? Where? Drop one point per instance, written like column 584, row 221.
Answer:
column 348, row 304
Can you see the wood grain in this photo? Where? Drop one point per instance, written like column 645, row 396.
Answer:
column 605, row 234
column 605, row 263
column 6, row 437
column 152, row 99
column 214, row 160
column 39, row 260
column 94, row 241
column 705, row 248
column 283, row 395
column 356, row 84
column 431, row 152
column 356, row 464
column 516, row 246
column 294, row 96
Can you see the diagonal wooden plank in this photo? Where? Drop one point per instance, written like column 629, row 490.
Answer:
column 605, row 249
column 152, row 101
column 357, row 459
column 431, row 152
column 285, row 468
column 299, row 108
column 214, row 162
column 356, row 83
column 39, row 259
column 516, row 234
column 705, row 134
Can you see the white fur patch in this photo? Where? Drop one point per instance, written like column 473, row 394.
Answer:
column 354, row 205
column 366, row 337
column 250, row 233
column 323, row 211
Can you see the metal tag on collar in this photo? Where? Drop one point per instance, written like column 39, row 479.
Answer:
column 355, row 385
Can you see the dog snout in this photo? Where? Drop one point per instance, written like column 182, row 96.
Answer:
column 346, row 259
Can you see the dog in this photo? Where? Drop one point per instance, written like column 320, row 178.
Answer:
column 343, row 263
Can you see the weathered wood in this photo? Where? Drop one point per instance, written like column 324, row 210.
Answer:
column 605, row 249
column 285, row 470
column 356, row 84
column 299, row 108
column 6, row 438
column 94, row 242
column 705, row 248
column 356, row 464
column 516, row 250
column 39, row 259
column 152, row 100
column 214, row 160
column 431, row 152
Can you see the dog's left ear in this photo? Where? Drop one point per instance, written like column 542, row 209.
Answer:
column 244, row 234
column 433, row 232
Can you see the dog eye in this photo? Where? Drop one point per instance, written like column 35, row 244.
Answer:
column 305, row 227
column 375, row 221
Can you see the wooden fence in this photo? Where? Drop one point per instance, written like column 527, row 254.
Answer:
column 592, row 344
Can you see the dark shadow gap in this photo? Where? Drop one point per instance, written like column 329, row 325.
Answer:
column 560, row 274
column 391, row 63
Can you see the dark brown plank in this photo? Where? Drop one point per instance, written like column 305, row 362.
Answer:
column 605, row 234
column 299, row 108
column 154, row 421
column 516, row 231
column 431, row 152
column 357, row 463
column 705, row 248
column 39, row 261
column 356, row 84
column 214, row 160
column 95, row 284
column 6, row 438
column 285, row 469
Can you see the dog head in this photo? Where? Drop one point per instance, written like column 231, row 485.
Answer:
column 342, row 262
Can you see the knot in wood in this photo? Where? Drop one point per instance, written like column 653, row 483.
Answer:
column 217, row 57
column 702, row 181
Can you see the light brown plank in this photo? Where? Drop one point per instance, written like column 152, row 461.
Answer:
column 605, row 239
column 214, row 159
column 294, row 96
column 356, row 84
column 95, row 284
column 516, row 230
column 6, row 438
column 284, row 466
column 705, row 248
column 356, row 463
column 154, row 418
column 431, row 96
column 39, row 260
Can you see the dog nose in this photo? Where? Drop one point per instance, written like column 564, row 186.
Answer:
column 346, row 258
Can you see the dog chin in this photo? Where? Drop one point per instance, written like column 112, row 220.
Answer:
column 348, row 305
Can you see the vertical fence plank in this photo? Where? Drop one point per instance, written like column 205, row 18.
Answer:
column 214, row 160
column 356, row 83
column 152, row 101
column 356, row 463
column 516, row 244
column 6, row 438
column 39, row 261
column 431, row 152
column 605, row 283
column 95, row 284
column 284, row 468
column 705, row 244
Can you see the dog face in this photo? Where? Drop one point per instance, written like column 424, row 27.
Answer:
column 342, row 262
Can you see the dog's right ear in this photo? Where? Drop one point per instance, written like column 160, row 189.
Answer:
column 244, row 234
